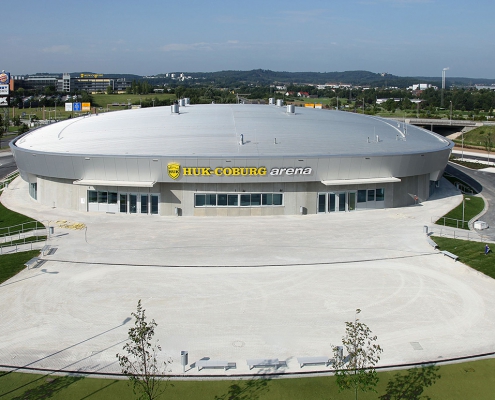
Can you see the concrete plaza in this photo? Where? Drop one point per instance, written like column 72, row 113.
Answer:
column 241, row 288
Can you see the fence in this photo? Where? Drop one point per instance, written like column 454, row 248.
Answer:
column 452, row 222
column 474, row 236
column 21, row 237
column 9, row 178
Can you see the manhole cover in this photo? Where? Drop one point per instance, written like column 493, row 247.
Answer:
column 416, row 346
column 238, row 343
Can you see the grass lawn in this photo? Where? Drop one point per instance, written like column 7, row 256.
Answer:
column 470, row 253
column 469, row 164
column 478, row 136
column 11, row 264
column 99, row 100
column 472, row 207
column 471, row 380
column 10, row 218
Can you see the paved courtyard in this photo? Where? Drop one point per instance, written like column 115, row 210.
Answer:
column 241, row 288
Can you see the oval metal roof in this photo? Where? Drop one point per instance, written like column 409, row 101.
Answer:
column 213, row 130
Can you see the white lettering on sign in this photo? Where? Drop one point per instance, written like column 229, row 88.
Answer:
column 291, row 171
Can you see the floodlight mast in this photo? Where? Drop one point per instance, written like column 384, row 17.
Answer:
column 443, row 83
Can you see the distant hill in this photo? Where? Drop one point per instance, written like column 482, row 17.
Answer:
column 362, row 78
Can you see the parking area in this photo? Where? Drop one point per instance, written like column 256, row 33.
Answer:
column 240, row 288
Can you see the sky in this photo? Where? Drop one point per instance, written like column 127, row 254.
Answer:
column 147, row 37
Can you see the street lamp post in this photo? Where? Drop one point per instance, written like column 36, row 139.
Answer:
column 463, row 206
column 451, row 112
column 462, row 148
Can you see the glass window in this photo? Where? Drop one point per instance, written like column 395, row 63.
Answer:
column 233, row 200
column 380, row 194
column 112, row 197
column 199, row 200
column 154, row 204
column 245, row 200
column 256, row 199
column 211, row 199
column 361, row 196
column 266, row 199
column 102, row 197
column 144, row 204
column 33, row 190
column 371, row 195
column 278, row 199
column 221, row 200
column 92, row 196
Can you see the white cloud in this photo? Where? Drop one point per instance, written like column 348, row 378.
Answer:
column 60, row 49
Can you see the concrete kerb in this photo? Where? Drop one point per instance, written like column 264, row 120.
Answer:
column 206, row 310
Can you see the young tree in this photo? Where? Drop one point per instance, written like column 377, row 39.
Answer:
column 140, row 363
column 357, row 370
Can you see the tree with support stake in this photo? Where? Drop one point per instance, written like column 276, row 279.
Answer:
column 140, row 363
column 357, row 370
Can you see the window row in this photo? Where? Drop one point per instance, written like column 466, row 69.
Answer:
column 132, row 203
column 371, row 195
column 238, row 200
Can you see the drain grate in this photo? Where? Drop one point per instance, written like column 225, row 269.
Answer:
column 416, row 346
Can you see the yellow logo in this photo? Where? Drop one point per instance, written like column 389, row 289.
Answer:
column 173, row 170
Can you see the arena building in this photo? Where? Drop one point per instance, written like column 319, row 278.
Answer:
column 230, row 160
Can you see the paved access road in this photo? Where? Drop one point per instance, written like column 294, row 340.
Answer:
column 7, row 164
column 484, row 183
column 234, row 289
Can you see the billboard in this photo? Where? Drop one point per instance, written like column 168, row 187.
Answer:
column 4, row 78
column 86, row 106
column 4, row 86
column 68, row 106
column 4, row 101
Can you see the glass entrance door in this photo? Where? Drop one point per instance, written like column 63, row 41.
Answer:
column 133, row 203
column 321, row 206
column 342, row 201
column 336, row 202
column 123, row 202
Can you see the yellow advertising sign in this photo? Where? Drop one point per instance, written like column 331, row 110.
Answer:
column 86, row 106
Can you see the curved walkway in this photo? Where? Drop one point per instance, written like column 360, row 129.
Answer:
column 241, row 288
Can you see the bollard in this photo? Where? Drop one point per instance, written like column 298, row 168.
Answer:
column 184, row 359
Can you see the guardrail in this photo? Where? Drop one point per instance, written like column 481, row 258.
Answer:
column 452, row 222
column 21, row 229
column 9, row 178
column 473, row 236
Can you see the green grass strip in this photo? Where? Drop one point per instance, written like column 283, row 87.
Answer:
column 11, row 264
column 11, row 218
column 472, row 207
column 470, row 253
column 470, row 380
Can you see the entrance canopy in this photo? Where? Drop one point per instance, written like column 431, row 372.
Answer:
column 363, row 181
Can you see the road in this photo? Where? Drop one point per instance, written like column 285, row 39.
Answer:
column 484, row 182
column 7, row 164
